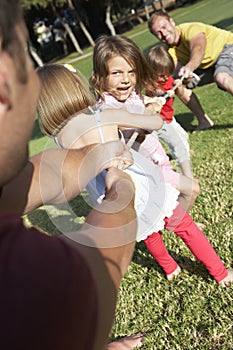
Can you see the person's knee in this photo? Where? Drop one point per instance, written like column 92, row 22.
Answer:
column 221, row 79
column 195, row 188
column 179, row 221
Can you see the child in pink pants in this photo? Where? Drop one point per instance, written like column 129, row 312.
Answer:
column 120, row 69
column 182, row 224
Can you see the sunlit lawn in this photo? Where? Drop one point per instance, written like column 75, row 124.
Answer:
column 192, row 312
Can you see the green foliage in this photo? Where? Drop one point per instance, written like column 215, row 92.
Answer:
column 192, row 312
column 43, row 3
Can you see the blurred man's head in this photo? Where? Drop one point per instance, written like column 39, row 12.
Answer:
column 163, row 27
column 19, row 89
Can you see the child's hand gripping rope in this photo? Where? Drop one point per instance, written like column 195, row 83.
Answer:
column 171, row 92
column 129, row 144
column 191, row 84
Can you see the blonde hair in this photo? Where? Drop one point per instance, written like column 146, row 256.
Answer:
column 160, row 60
column 107, row 47
column 63, row 94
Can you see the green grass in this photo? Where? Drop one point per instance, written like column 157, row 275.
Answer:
column 192, row 312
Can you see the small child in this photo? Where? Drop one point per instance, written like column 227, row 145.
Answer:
column 171, row 133
column 63, row 95
column 120, row 72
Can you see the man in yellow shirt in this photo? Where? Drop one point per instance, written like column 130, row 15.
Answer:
column 197, row 48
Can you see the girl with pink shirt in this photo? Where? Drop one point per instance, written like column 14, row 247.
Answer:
column 62, row 116
column 120, row 72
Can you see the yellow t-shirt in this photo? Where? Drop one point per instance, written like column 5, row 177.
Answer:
column 216, row 38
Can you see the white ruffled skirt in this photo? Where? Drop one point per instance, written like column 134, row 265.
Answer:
column 154, row 199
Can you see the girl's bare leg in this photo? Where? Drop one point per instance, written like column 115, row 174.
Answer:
column 189, row 190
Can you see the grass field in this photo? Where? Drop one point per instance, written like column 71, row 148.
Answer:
column 192, row 312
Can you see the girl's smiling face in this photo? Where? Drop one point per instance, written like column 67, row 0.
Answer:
column 121, row 79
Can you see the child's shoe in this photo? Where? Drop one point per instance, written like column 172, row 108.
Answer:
column 228, row 279
column 175, row 273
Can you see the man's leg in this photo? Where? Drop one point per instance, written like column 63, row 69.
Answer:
column 192, row 102
column 223, row 74
column 225, row 82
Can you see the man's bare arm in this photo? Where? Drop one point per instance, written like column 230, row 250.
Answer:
column 197, row 51
column 110, row 227
column 55, row 176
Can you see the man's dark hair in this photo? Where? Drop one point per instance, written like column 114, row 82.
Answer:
column 10, row 15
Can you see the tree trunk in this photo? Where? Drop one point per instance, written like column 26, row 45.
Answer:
column 96, row 13
column 146, row 10
column 82, row 25
column 128, row 20
column 69, row 31
column 35, row 55
column 86, row 33
column 108, row 19
column 139, row 19
column 72, row 37
column 161, row 5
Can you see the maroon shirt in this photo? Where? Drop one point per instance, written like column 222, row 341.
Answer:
column 48, row 299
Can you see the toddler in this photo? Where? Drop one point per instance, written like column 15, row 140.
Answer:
column 172, row 133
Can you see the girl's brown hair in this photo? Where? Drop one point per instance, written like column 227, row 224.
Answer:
column 108, row 47
column 160, row 60
column 63, row 94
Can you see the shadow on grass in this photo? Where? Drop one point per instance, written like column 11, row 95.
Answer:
column 186, row 120
column 145, row 331
column 40, row 219
column 54, row 220
column 142, row 257
column 224, row 23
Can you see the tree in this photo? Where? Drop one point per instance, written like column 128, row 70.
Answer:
column 108, row 18
column 161, row 5
column 35, row 55
column 81, row 23
column 95, row 13
column 55, row 6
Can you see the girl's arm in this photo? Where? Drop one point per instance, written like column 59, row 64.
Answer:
column 123, row 118
column 83, row 129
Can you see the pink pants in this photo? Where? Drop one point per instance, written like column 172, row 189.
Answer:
column 182, row 225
